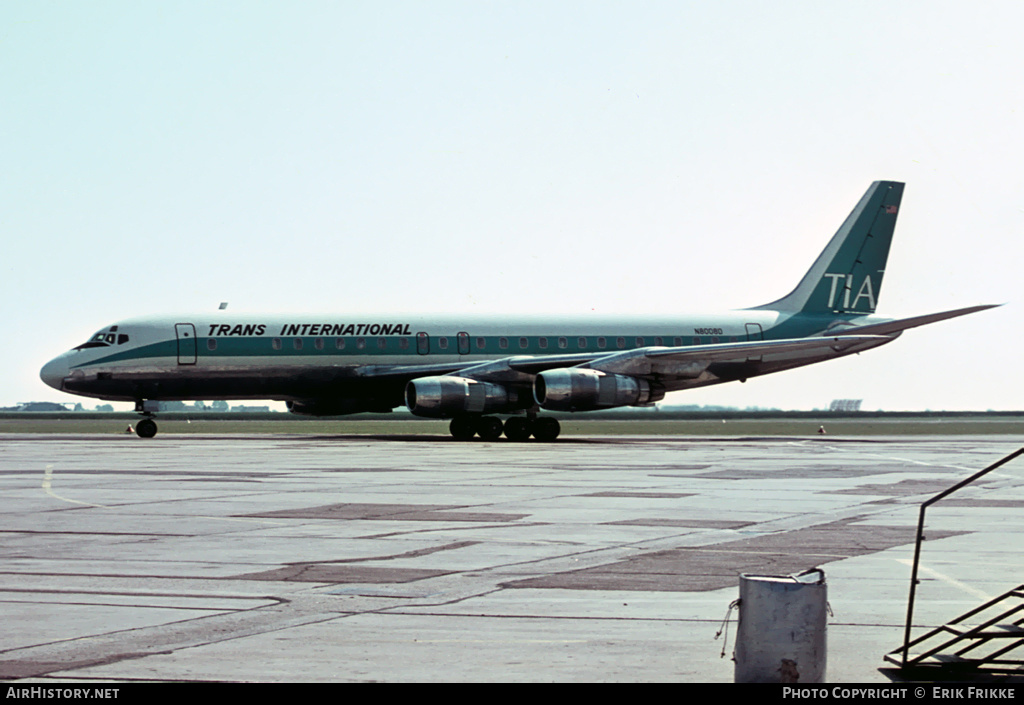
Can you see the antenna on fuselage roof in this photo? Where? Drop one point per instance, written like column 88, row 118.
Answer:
column 223, row 305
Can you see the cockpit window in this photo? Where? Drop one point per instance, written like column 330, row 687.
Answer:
column 104, row 339
column 97, row 341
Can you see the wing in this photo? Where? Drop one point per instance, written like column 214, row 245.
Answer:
column 629, row 376
column 662, row 363
column 691, row 362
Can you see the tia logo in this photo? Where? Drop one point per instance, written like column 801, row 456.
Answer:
column 844, row 283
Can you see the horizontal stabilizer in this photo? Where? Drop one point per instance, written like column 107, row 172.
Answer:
column 890, row 327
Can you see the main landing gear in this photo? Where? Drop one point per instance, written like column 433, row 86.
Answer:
column 517, row 428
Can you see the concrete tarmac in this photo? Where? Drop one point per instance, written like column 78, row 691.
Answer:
column 415, row 558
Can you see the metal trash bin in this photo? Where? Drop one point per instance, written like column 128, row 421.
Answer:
column 781, row 635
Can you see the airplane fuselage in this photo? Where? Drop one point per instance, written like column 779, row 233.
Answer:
column 302, row 357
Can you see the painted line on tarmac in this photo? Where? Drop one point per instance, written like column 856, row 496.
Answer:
column 47, row 487
column 882, row 456
column 974, row 592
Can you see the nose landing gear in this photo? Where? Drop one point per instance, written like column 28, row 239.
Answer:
column 146, row 428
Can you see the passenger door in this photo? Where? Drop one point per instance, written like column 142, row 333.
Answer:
column 754, row 332
column 186, row 333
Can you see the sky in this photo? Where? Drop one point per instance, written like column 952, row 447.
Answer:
column 515, row 157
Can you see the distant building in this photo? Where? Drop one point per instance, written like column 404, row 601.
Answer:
column 845, row 405
column 251, row 409
column 42, row 406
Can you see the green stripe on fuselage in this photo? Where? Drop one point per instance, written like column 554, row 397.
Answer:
column 796, row 326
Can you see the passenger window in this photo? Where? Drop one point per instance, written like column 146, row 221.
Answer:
column 382, row 343
column 318, row 343
column 298, row 343
column 639, row 342
column 542, row 342
column 620, row 342
column 481, row 343
column 563, row 343
column 503, row 343
column 601, row 342
column 211, row 343
column 524, row 343
column 582, row 343
column 442, row 343
column 276, row 343
column 403, row 343
column 339, row 343
column 360, row 343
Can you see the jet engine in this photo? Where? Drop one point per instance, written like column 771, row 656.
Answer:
column 445, row 397
column 586, row 390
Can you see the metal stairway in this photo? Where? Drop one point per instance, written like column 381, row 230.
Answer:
column 981, row 645
column 979, row 641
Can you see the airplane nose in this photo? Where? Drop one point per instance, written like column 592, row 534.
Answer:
column 54, row 372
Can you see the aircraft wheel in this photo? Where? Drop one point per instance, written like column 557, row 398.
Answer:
column 462, row 428
column 146, row 428
column 546, row 429
column 517, row 429
column 489, row 428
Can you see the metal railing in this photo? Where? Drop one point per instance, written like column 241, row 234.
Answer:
column 920, row 538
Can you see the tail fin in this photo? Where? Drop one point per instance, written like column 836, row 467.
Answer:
column 847, row 276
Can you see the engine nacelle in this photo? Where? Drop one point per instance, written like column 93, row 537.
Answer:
column 586, row 390
column 445, row 397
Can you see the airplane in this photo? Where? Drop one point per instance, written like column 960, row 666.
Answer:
column 470, row 369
